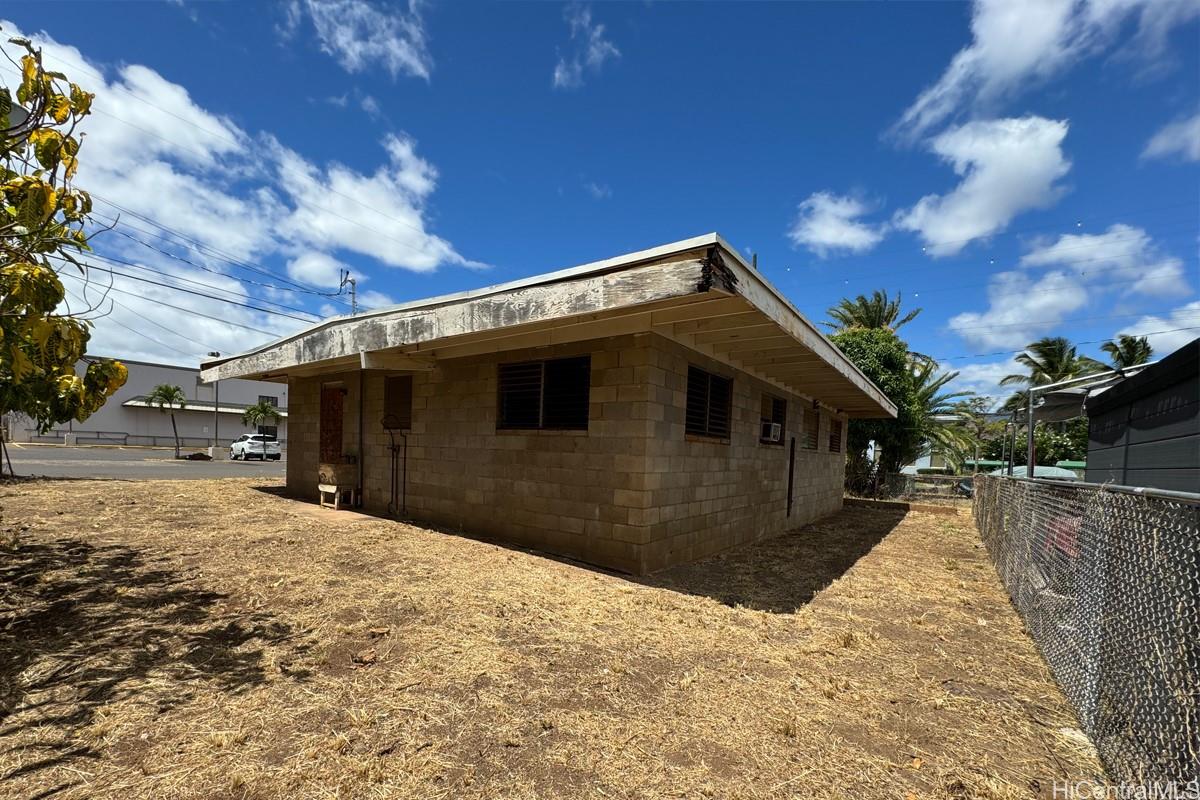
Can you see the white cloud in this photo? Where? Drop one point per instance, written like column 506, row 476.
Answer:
column 316, row 269
column 1007, row 166
column 1021, row 309
column 379, row 215
column 1017, row 44
column 371, row 106
column 362, row 35
column 600, row 191
column 983, row 378
column 153, row 151
column 589, row 46
column 1179, row 139
column 373, row 299
column 1123, row 253
column 1186, row 317
column 827, row 223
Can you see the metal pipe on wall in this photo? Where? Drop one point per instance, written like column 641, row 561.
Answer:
column 361, row 454
column 1029, row 438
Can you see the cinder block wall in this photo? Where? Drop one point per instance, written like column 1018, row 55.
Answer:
column 631, row 493
column 703, row 495
column 575, row 493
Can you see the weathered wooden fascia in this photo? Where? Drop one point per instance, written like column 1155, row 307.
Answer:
column 552, row 303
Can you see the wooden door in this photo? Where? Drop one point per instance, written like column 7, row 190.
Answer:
column 331, row 424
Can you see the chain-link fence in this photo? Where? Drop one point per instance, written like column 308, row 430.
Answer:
column 1107, row 580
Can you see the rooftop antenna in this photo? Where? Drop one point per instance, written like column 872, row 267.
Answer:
column 346, row 279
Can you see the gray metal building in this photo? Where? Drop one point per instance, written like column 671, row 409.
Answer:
column 1145, row 431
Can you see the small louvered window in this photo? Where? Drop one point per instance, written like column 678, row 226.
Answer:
column 545, row 394
column 708, row 401
column 835, row 436
column 397, row 402
column 812, row 429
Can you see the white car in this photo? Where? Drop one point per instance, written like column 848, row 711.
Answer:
column 255, row 445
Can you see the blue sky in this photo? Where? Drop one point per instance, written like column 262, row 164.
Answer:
column 1016, row 169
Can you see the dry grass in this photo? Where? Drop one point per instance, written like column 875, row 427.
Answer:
column 209, row 640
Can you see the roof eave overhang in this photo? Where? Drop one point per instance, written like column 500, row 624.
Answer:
column 699, row 292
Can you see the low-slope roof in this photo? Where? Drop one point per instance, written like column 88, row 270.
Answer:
column 699, row 292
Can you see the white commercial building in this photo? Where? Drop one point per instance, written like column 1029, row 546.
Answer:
column 128, row 419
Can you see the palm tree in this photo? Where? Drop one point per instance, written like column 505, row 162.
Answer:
column 937, row 409
column 1051, row 359
column 167, row 397
column 261, row 413
column 877, row 311
column 1128, row 351
column 973, row 420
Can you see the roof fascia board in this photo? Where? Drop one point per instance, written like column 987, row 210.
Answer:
column 585, row 293
column 605, row 265
column 767, row 299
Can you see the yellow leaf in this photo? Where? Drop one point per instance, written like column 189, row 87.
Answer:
column 21, row 365
column 59, row 107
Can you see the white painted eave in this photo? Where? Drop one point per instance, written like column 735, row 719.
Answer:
column 195, row 405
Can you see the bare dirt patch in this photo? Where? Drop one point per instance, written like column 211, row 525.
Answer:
column 207, row 639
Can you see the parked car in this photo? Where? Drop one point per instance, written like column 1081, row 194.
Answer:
column 262, row 446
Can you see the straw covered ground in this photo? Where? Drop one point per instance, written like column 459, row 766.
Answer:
column 214, row 639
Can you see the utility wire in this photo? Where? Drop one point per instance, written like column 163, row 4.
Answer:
column 229, row 140
column 1026, row 291
column 197, row 293
column 201, row 284
column 192, row 311
column 1090, row 341
column 846, row 279
column 284, row 168
column 145, row 336
column 203, row 249
column 1027, row 322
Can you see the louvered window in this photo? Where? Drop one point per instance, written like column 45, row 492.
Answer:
column 708, row 400
column 812, row 429
column 397, row 402
column 545, row 394
column 835, row 436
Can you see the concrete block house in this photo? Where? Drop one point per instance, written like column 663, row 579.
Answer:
column 633, row 413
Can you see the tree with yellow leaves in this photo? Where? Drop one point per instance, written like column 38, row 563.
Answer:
column 42, row 231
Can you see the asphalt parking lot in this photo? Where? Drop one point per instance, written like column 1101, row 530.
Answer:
column 129, row 463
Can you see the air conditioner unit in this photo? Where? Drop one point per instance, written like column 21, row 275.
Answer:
column 772, row 432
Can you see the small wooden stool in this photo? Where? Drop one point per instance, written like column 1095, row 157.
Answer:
column 337, row 490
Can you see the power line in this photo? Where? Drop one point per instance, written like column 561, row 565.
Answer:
column 1026, row 322
column 115, row 260
column 932, row 266
column 145, row 336
column 194, row 292
column 160, row 326
column 191, row 311
column 205, row 249
column 234, row 142
column 1025, row 292
column 230, row 141
column 1091, row 341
